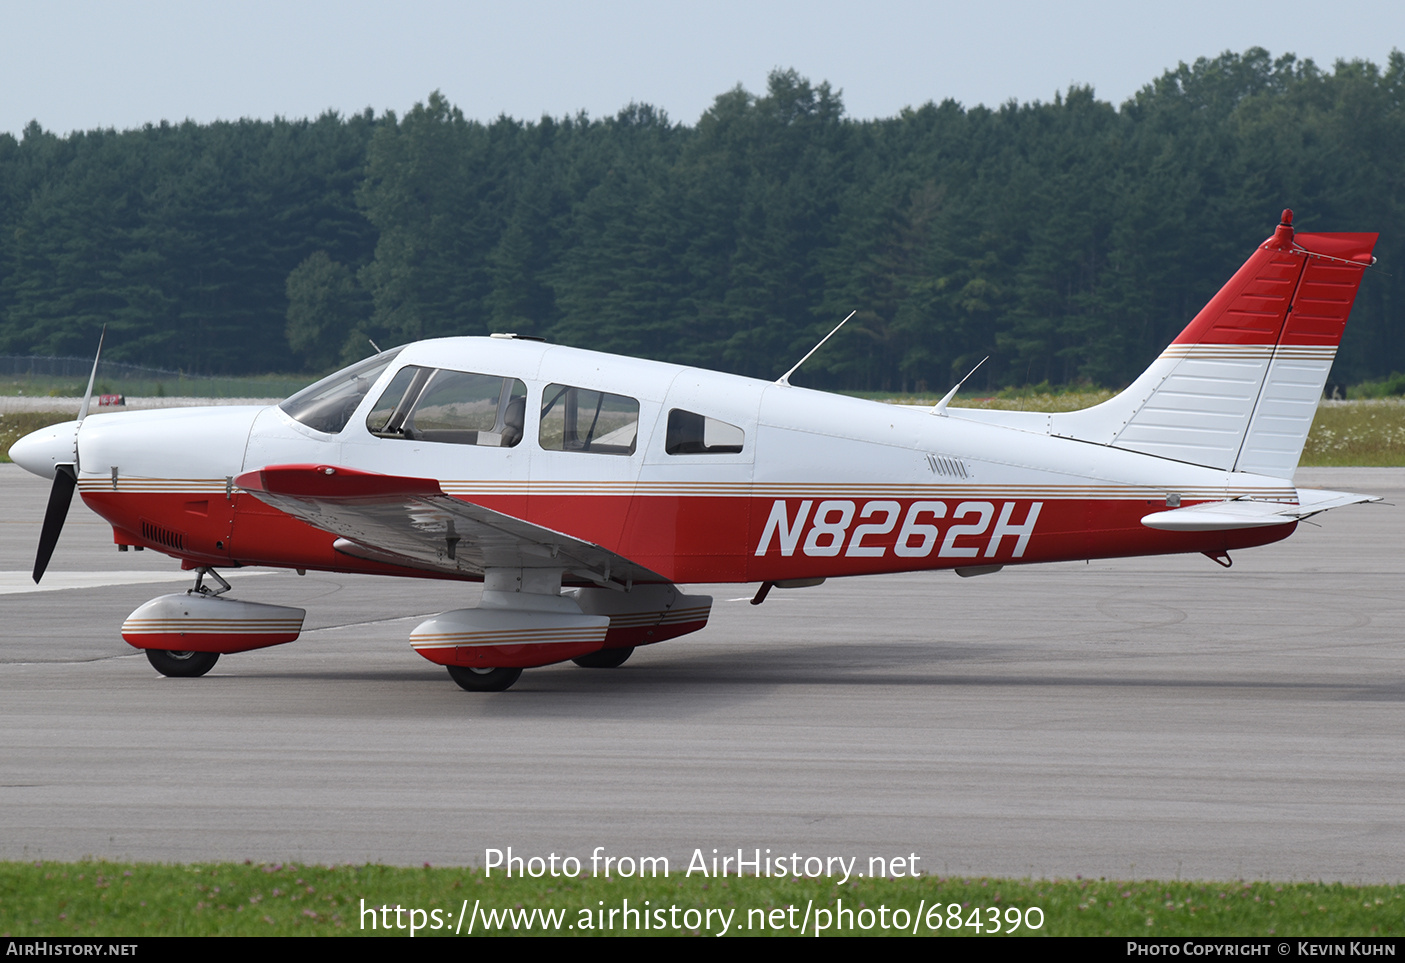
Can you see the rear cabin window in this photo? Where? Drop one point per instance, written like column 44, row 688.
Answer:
column 690, row 433
column 451, row 407
column 580, row 419
column 329, row 404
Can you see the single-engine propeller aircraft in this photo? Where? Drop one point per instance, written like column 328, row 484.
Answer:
column 583, row 488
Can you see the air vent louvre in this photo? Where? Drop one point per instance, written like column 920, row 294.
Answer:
column 162, row 536
column 951, row 467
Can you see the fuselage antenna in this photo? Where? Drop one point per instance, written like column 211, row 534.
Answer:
column 785, row 378
column 374, row 345
column 940, row 407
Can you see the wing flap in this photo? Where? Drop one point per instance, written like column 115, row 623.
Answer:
column 412, row 520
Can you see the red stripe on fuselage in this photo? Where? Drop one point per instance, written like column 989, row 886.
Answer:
column 693, row 539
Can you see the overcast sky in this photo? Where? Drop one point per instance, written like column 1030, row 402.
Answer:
column 79, row 65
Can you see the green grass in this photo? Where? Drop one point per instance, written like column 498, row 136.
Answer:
column 1013, row 400
column 145, row 899
column 15, row 426
column 1392, row 386
column 1347, row 433
column 1008, row 399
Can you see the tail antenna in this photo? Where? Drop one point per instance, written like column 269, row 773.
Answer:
column 785, row 378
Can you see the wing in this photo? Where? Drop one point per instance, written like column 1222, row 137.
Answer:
column 1247, row 513
column 411, row 522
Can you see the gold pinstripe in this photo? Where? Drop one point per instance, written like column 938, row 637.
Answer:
column 133, row 484
column 241, row 626
column 467, row 488
column 635, row 619
column 517, row 636
column 1248, row 352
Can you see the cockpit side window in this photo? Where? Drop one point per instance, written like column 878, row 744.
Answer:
column 690, row 433
column 581, row 419
column 329, row 404
column 450, row 407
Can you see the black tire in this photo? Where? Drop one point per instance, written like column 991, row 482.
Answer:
column 181, row 665
column 483, row 680
column 604, row 659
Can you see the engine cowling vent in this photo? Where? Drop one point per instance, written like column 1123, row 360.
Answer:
column 159, row 535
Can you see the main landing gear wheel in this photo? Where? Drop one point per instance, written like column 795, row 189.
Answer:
column 483, row 680
column 182, row 665
column 604, row 659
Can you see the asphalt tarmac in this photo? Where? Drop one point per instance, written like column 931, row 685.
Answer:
column 1138, row 718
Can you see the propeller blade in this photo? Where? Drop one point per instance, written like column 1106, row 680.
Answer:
column 88, row 395
column 60, row 496
column 65, row 480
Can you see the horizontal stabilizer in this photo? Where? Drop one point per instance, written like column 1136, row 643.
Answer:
column 1247, row 513
column 1314, row 500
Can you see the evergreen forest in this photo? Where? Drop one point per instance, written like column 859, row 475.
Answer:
column 1068, row 240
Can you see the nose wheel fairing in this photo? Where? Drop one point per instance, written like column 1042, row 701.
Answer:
column 190, row 622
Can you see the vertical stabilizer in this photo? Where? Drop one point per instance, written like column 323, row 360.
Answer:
column 1238, row 388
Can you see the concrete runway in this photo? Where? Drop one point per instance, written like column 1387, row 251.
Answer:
column 1142, row 718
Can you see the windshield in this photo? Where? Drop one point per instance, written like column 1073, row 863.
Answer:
column 328, row 404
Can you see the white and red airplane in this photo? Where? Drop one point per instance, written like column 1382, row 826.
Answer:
column 583, row 488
